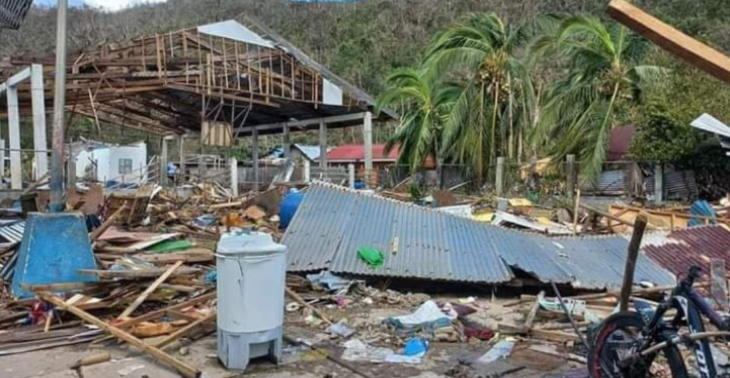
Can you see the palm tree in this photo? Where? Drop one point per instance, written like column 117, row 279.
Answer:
column 604, row 74
column 422, row 104
column 495, row 105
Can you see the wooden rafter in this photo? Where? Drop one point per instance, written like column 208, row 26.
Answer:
column 671, row 39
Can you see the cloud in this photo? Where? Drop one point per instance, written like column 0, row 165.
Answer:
column 114, row 5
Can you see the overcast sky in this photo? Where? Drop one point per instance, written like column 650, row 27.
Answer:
column 107, row 4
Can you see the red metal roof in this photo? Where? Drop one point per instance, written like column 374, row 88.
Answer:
column 356, row 152
column 691, row 246
column 620, row 142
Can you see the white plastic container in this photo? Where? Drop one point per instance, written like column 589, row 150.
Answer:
column 251, row 281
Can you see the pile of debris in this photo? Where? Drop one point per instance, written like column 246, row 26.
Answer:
column 143, row 267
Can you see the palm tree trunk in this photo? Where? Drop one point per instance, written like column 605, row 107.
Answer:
column 493, row 142
column 510, row 143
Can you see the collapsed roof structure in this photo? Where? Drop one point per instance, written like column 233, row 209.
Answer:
column 170, row 83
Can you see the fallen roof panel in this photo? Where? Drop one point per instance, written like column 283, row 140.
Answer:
column 691, row 246
column 332, row 223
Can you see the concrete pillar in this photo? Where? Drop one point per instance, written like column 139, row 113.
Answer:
column 287, row 141
column 201, row 167
column 323, row 145
column 163, row 164
column 181, row 147
column 367, row 129
column 234, row 176
column 499, row 182
column 658, row 183
column 71, row 169
column 16, row 169
column 2, row 157
column 570, row 174
column 307, row 171
column 255, row 159
column 39, row 120
column 351, row 175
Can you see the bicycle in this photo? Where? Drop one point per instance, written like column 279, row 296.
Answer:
column 637, row 344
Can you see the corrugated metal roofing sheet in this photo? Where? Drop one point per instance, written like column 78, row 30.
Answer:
column 12, row 13
column 691, row 246
column 332, row 223
column 677, row 185
column 13, row 233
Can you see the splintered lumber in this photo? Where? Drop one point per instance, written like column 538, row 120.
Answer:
column 92, row 360
column 181, row 367
column 549, row 350
column 633, row 255
column 150, row 289
column 136, row 274
column 533, row 312
column 610, row 216
column 107, row 223
column 669, row 38
column 184, row 330
column 196, row 255
column 304, row 303
column 557, row 336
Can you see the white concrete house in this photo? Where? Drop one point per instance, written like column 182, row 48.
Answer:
column 113, row 163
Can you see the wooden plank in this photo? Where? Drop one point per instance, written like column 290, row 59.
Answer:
column 156, row 314
column 671, row 39
column 107, row 223
column 304, row 303
column 184, row 330
column 181, row 367
column 150, row 289
column 533, row 312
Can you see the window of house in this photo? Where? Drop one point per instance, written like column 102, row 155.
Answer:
column 125, row 166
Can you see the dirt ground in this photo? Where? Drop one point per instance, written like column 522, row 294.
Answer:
column 442, row 360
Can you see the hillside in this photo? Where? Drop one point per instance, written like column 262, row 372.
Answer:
column 362, row 40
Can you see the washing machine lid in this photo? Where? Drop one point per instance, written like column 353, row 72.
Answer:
column 243, row 242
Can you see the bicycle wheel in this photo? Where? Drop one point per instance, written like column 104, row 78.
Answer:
column 617, row 338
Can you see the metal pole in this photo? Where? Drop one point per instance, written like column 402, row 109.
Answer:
column 59, row 103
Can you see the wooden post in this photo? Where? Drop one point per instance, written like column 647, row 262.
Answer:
column 184, row 369
column 499, row 179
column 287, row 141
column 181, row 152
column 16, row 168
column 658, row 183
column 39, row 121
column 163, row 164
column 631, row 257
column 255, row 158
column 368, row 146
column 576, row 210
column 570, row 174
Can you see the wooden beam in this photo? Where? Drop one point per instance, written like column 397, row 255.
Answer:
column 184, row 369
column 671, row 39
column 150, row 289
